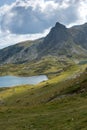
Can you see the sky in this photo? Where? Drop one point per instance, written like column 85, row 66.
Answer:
column 22, row 20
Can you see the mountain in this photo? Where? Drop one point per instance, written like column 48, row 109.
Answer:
column 60, row 42
column 79, row 34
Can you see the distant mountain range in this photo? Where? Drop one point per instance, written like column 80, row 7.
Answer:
column 60, row 42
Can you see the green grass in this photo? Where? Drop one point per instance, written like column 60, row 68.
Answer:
column 34, row 94
column 50, row 66
column 45, row 91
column 57, row 104
column 69, row 113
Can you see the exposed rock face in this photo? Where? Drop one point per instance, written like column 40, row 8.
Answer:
column 57, row 35
column 79, row 34
column 55, row 40
column 60, row 41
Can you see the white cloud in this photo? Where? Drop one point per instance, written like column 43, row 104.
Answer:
column 82, row 11
column 28, row 16
column 7, row 39
column 27, row 19
column 33, row 16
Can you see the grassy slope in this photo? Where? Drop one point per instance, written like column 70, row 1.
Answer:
column 48, row 65
column 63, row 114
column 49, row 87
column 58, row 104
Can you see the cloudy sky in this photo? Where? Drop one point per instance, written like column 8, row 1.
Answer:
column 21, row 20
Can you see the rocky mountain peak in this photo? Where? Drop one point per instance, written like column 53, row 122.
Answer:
column 59, row 25
column 57, row 34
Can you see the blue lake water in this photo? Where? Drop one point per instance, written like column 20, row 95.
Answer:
column 9, row 81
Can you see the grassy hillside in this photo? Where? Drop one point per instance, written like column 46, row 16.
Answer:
column 50, row 65
column 34, row 94
column 69, row 113
column 57, row 104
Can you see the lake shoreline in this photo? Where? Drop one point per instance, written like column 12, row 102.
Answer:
column 11, row 81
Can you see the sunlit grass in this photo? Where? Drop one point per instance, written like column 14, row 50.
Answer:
column 57, row 104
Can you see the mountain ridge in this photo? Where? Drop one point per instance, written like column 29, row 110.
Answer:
column 60, row 41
